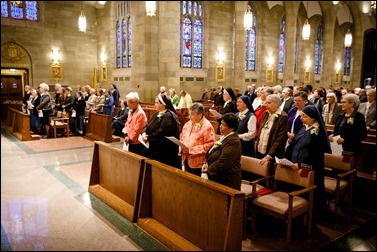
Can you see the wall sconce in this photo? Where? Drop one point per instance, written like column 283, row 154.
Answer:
column 270, row 69
column 248, row 18
column 55, row 56
column 337, row 72
column 270, row 60
column 308, row 64
column 150, row 8
column 103, row 58
column 220, row 57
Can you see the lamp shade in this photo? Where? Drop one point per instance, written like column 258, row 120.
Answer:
column 306, row 30
column 82, row 22
column 248, row 19
column 150, row 8
column 348, row 39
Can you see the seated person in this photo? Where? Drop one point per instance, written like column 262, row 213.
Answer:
column 120, row 119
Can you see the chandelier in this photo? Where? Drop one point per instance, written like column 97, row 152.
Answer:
column 82, row 20
column 150, row 8
column 306, row 27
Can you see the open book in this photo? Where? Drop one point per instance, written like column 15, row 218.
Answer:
column 215, row 113
column 283, row 161
column 177, row 142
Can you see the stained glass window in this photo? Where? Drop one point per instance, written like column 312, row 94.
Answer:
column 347, row 61
column 191, row 34
column 295, row 67
column 282, row 46
column 20, row 10
column 123, row 30
column 319, row 50
column 251, row 46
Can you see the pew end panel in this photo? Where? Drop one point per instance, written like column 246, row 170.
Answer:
column 186, row 212
column 116, row 177
column 99, row 128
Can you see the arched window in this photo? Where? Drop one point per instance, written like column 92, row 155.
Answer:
column 191, row 34
column 319, row 50
column 123, row 31
column 251, row 46
column 347, row 61
column 20, row 10
column 282, row 46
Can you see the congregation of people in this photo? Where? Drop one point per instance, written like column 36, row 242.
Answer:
column 265, row 122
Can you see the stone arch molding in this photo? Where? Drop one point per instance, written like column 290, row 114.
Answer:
column 15, row 56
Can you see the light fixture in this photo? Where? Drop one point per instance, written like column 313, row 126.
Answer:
column 82, row 20
column 337, row 66
column 308, row 63
column 103, row 57
column 373, row 5
column 348, row 37
column 306, row 27
column 150, row 8
column 248, row 18
column 55, row 56
column 220, row 56
column 270, row 60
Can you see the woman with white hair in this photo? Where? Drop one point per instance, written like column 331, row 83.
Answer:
column 350, row 125
column 44, row 108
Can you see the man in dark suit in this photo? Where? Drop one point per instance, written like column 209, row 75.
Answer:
column 250, row 91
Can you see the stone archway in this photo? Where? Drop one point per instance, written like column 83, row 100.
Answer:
column 15, row 56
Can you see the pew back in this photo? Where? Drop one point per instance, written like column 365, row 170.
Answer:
column 116, row 177
column 99, row 128
column 186, row 212
column 19, row 124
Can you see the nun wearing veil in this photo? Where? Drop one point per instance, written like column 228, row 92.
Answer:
column 309, row 147
column 163, row 123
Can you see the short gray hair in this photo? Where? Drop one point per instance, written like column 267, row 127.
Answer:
column 352, row 98
column 44, row 86
column 133, row 96
column 198, row 108
column 275, row 98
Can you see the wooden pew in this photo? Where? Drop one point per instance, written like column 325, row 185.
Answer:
column 116, row 177
column 19, row 125
column 186, row 212
column 149, row 112
column 99, row 128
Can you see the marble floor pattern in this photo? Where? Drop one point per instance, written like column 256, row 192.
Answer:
column 45, row 205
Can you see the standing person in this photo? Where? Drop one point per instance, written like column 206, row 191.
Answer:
column 198, row 135
column 224, row 158
column 229, row 105
column 69, row 101
column 136, row 121
column 247, row 126
column 261, row 110
column 272, row 137
column 35, row 124
column 115, row 94
column 332, row 109
column 287, row 101
column 185, row 101
column 120, row 119
column 350, row 125
column 79, row 107
column 108, row 106
column 368, row 109
column 294, row 114
column 45, row 108
column 26, row 98
column 173, row 97
column 163, row 123
column 309, row 147
column 250, row 91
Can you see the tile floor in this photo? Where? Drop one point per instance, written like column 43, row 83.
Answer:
column 45, row 205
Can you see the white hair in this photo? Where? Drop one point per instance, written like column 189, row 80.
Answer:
column 44, row 86
column 133, row 96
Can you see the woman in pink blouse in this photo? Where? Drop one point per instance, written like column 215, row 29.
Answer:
column 198, row 135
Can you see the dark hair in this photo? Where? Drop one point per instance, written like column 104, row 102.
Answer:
column 302, row 94
column 231, row 120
